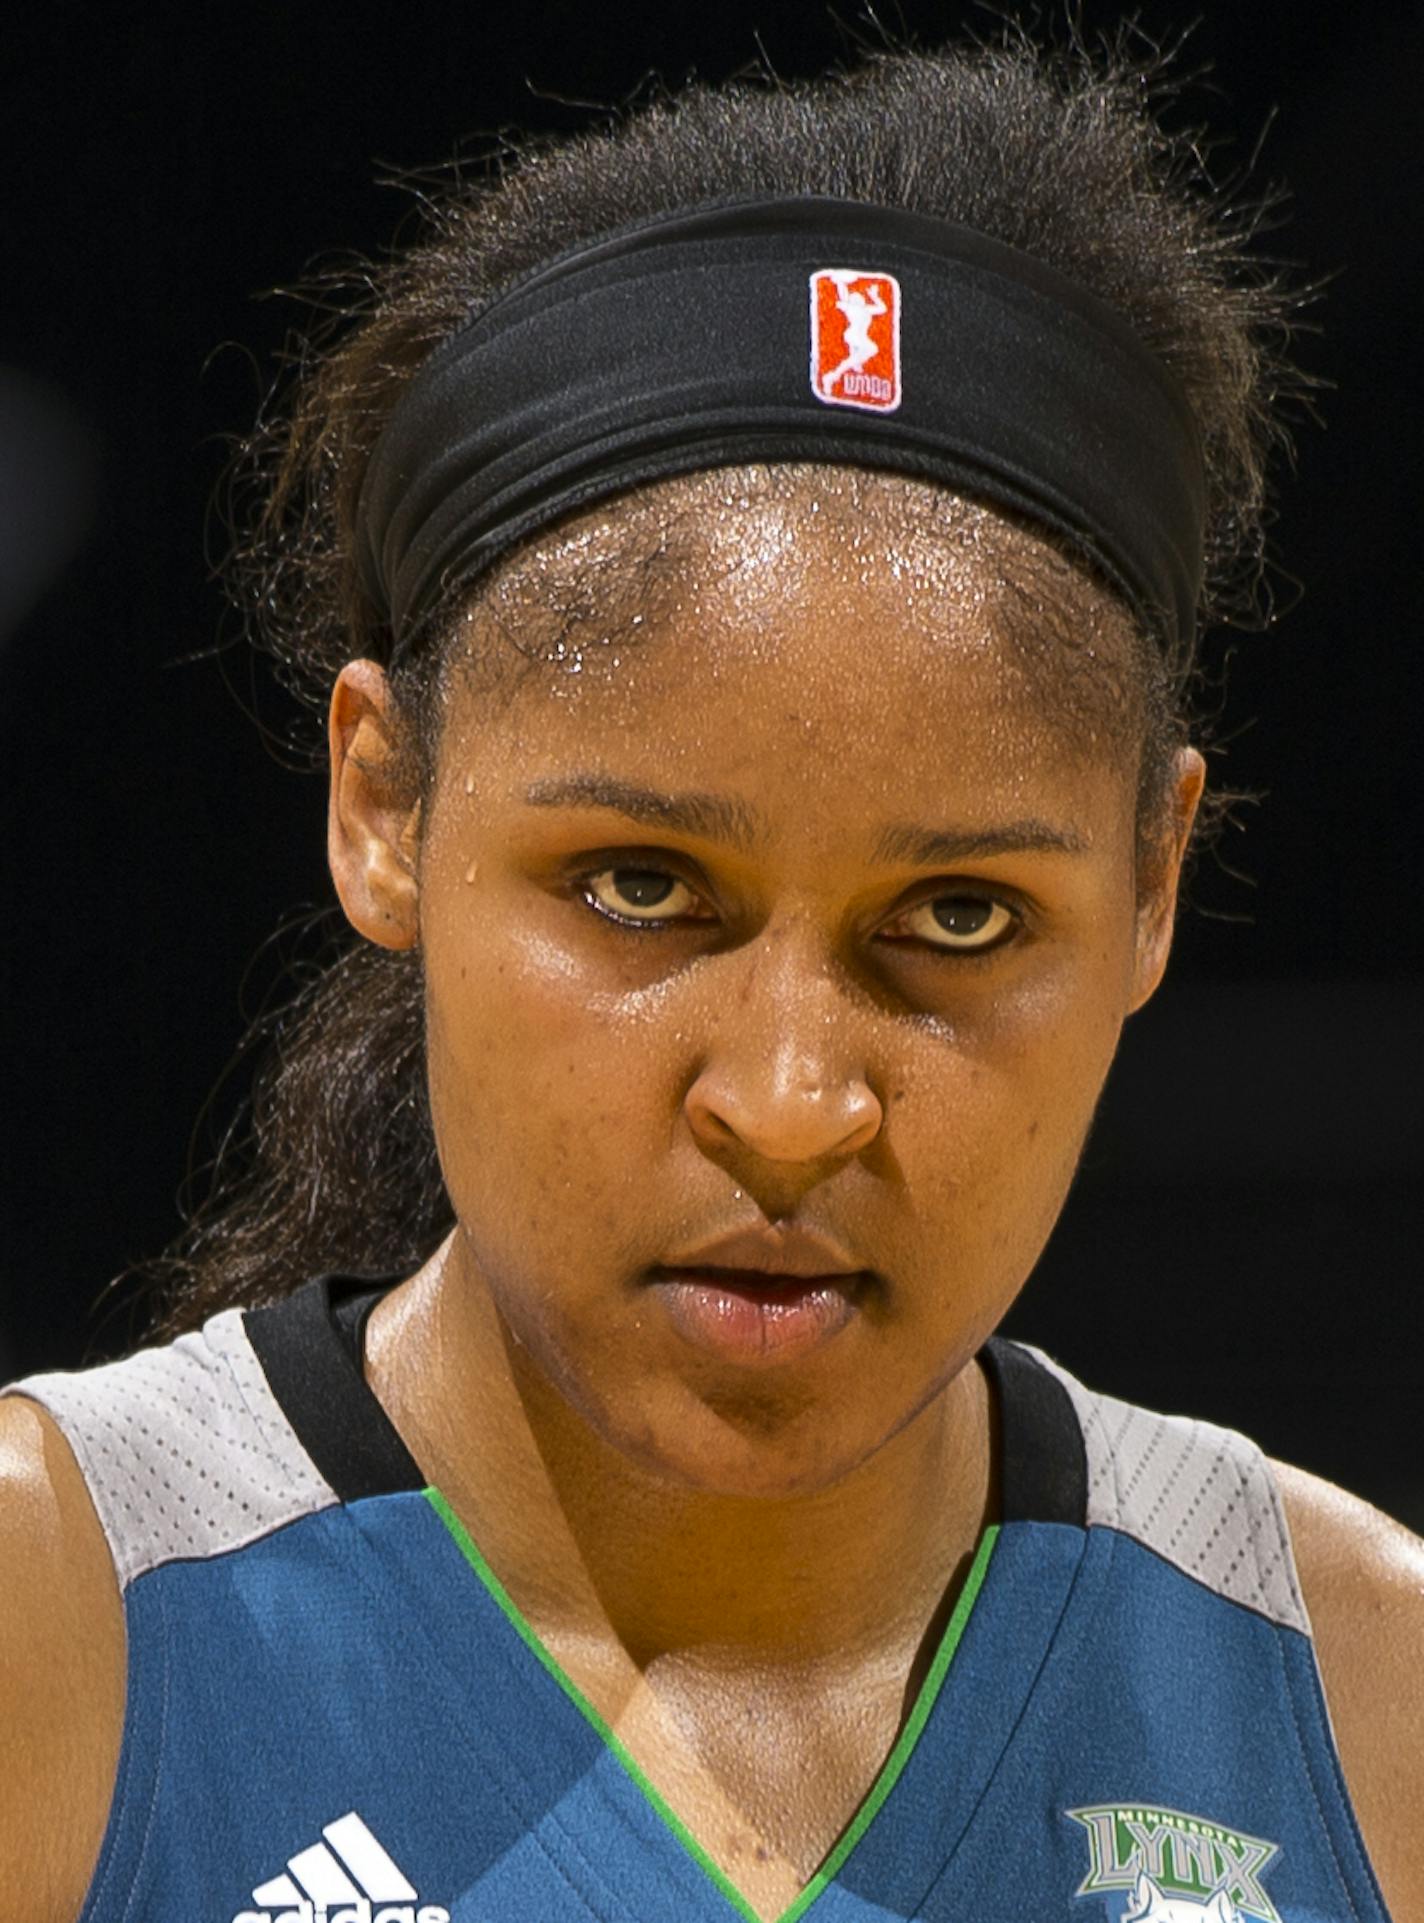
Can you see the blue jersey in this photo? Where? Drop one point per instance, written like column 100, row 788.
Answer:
column 336, row 1714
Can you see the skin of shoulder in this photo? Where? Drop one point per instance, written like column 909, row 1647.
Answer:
column 62, row 1661
column 1362, row 1576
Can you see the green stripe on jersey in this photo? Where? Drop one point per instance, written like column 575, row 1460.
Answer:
column 879, row 1790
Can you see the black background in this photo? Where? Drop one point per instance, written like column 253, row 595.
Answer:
column 1242, row 1240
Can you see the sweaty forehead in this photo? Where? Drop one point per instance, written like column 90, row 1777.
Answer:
column 748, row 560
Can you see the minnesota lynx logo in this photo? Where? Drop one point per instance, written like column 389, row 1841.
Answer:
column 1174, row 1868
column 855, row 339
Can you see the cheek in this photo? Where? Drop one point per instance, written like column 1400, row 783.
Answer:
column 537, row 1100
column 990, row 1116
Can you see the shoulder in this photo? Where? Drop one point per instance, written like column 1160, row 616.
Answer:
column 61, row 1667
column 1362, row 1576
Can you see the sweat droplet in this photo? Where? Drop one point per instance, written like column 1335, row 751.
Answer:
column 469, row 784
column 471, row 870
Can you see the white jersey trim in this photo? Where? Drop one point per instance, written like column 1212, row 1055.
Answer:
column 184, row 1448
column 1203, row 1498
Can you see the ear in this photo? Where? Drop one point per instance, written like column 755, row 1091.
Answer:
column 1146, row 1897
column 373, row 823
column 1160, row 874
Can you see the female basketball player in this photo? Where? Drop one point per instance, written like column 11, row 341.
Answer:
column 577, row 1477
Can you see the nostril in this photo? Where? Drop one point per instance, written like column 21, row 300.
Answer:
column 786, row 1121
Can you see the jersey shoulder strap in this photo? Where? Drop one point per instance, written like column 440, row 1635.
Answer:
column 185, row 1448
column 1201, row 1497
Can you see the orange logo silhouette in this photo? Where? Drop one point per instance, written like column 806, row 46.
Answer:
column 855, row 338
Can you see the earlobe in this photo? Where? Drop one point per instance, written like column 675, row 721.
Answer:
column 1157, row 888
column 372, row 819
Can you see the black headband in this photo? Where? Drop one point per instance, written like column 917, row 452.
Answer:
column 796, row 329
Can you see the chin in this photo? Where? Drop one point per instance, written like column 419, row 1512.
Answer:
column 754, row 1450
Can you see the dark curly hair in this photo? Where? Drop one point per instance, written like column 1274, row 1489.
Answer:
column 1060, row 151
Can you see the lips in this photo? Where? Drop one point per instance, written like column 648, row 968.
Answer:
column 751, row 1320
column 759, row 1294
column 762, row 1285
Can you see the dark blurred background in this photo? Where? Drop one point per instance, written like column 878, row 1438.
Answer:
column 1243, row 1238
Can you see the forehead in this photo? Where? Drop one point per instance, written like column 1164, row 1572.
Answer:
column 870, row 601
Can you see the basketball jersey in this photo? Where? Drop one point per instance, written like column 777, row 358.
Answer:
column 336, row 1714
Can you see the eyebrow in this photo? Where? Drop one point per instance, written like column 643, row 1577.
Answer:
column 715, row 817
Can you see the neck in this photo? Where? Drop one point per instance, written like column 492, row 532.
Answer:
column 590, row 1543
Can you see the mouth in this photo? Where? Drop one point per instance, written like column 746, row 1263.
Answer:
column 751, row 1316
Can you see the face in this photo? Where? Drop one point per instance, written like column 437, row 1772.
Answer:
column 794, row 896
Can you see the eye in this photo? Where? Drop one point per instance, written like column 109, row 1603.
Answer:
column 638, row 897
column 961, row 924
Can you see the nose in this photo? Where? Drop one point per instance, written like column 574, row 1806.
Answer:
column 785, row 1077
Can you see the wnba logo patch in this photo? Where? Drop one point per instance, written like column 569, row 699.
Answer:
column 855, row 338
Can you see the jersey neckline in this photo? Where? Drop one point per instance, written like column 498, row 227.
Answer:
column 311, row 1347
column 870, row 1804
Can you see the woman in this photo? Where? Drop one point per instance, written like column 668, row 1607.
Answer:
column 576, row 1476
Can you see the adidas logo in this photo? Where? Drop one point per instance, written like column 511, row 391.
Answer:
column 348, row 1878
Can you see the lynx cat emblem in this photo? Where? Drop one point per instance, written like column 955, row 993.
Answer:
column 1174, row 1868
